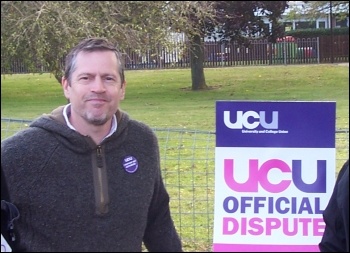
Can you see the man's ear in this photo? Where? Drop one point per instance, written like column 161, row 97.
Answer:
column 122, row 90
column 65, row 87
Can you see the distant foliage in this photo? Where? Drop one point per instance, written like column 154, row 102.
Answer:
column 302, row 33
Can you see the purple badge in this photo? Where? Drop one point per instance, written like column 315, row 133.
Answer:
column 130, row 164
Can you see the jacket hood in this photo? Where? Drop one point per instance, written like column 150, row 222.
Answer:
column 55, row 124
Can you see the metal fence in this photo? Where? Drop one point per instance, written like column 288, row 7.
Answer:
column 287, row 50
column 188, row 168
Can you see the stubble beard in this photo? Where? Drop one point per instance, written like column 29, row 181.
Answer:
column 96, row 120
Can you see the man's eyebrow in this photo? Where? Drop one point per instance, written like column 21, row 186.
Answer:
column 84, row 74
column 109, row 74
column 91, row 74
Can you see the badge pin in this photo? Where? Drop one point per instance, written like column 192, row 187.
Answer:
column 130, row 164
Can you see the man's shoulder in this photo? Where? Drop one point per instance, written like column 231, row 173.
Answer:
column 140, row 126
column 31, row 137
column 344, row 170
column 23, row 135
column 343, row 188
column 343, row 180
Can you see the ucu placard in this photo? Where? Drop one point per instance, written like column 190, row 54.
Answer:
column 274, row 175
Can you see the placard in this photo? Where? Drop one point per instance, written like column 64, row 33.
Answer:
column 274, row 174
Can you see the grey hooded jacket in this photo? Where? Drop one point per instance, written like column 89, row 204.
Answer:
column 74, row 195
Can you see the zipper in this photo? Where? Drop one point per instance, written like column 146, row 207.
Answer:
column 100, row 181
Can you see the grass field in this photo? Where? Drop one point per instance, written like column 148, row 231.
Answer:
column 163, row 99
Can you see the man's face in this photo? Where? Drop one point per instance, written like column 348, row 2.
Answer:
column 95, row 89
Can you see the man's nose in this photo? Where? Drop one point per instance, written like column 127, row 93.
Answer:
column 98, row 85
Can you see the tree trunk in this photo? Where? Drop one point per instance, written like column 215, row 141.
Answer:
column 197, row 60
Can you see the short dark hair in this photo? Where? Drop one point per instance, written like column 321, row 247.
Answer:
column 91, row 45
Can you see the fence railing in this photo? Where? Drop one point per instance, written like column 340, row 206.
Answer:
column 188, row 168
column 260, row 52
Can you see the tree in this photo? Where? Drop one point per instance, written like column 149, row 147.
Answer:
column 317, row 9
column 226, row 20
column 40, row 33
column 234, row 21
column 242, row 20
column 199, row 18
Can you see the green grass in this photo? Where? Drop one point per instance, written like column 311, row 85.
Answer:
column 164, row 99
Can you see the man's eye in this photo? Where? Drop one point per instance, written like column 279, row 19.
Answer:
column 84, row 78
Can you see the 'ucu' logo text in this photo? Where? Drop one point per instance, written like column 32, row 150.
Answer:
column 258, row 118
column 128, row 159
column 259, row 174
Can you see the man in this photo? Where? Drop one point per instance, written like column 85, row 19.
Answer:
column 87, row 177
column 336, row 215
